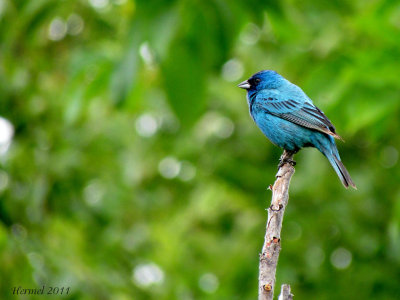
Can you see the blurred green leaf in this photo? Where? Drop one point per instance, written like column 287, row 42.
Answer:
column 105, row 191
column 184, row 80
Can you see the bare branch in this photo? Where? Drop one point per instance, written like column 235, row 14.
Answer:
column 285, row 293
column 272, row 241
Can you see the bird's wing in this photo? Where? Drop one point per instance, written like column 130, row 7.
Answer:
column 298, row 110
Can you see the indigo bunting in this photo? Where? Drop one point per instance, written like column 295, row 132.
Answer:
column 290, row 120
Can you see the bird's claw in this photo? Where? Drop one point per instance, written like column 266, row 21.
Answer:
column 283, row 161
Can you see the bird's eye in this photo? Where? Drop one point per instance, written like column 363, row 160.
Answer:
column 257, row 80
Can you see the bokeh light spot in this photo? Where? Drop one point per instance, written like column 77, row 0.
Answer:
column 341, row 258
column 120, row 2
column 232, row 70
column 315, row 256
column 187, row 172
column 6, row 134
column 57, row 29
column 145, row 275
column 4, row 180
column 146, row 53
column 99, row 4
column 250, row 34
column 2, row 6
column 209, row 283
column 169, row 167
column 93, row 192
column 36, row 260
column 215, row 124
column 146, row 125
column 389, row 157
column 75, row 24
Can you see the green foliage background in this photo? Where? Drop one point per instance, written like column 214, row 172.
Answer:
column 135, row 171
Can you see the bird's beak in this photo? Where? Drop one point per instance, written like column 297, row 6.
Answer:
column 244, row 85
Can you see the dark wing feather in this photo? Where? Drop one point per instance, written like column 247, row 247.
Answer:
column 300, row 112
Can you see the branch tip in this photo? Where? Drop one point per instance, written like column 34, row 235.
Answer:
column 285, row 292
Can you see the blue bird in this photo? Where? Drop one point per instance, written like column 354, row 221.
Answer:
column 290, row 120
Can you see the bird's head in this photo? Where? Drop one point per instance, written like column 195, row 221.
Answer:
column 266, row 79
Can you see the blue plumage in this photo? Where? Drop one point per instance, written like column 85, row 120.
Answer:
column 290, row 120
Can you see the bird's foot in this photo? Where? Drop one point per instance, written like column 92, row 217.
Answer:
column 286, row 158
column 286, row 161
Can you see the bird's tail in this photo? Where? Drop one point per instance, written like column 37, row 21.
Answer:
column 341, row 171
column 332, row 154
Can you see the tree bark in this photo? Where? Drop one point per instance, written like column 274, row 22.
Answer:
column 272, row 241
column 285, row 293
